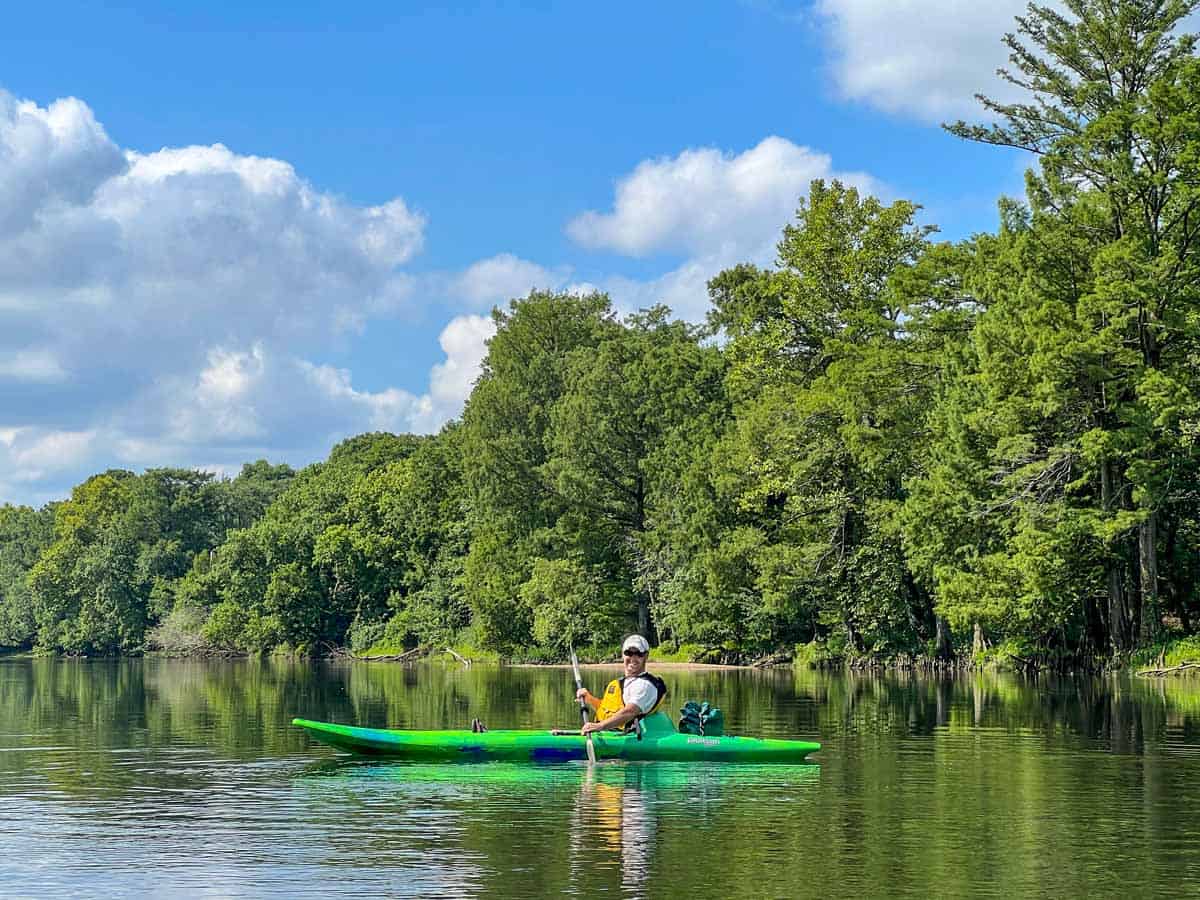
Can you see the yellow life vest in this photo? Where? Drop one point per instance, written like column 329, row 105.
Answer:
column 613, row 700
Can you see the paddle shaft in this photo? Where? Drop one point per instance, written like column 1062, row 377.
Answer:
column 583, row 707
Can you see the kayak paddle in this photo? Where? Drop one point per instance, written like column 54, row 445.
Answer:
column 583, row 707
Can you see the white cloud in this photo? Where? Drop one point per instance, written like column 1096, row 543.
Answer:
column 684, row 289
column 922, row 58
column 714, row 208
column 464, row 342
column 254, row 400
column 705, row 202
column 50, row 159
column 220, row 402
column 29, row 454
column 162, row 308
column 926, row 59
column 503, row 277
column 113, row 255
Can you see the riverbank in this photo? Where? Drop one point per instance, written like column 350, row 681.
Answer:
column 1178, row 656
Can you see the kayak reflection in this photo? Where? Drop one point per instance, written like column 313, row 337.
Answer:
column 564, row 828
column 613, row 821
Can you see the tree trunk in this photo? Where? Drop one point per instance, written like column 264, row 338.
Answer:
column 945, row 650
column 1117, row 619
column 1095, row 637
column 1118, row 624
column 852, row 636
column 1148, row 563
column 980, row 642
column 1170, row 600
column 646, row 578
column 645, row 627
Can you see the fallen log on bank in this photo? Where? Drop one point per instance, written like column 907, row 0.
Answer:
column 1171, row 670
column 406, row 656
column 462, row 659
column 775, row 659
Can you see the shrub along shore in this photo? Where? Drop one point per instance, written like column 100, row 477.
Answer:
column 885, row 448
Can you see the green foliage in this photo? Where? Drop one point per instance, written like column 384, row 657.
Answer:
column 24, row 535
column 1066, row 452
column 1169, row 653
column 818, row 653
column 301, row 574
column 506, row 440
column 833, row 363
column 120, row 544
column 180, row 633
column 567, row 603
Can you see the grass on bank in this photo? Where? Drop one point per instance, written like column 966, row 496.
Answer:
column 1169, row 653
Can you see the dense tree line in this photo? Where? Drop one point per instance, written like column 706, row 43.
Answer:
column 882, row 445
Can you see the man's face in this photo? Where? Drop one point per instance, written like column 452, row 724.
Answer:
column 635, row 663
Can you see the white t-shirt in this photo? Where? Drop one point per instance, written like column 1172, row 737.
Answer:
column 640, row 691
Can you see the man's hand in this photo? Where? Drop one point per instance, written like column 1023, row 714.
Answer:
column 586, row 696
column 590, row 727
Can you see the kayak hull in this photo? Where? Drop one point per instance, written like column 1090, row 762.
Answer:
column 546, row 747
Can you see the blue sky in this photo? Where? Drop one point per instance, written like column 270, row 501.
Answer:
column 243, row 230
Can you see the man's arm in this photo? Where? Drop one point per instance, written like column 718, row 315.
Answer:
column 615, row 721
column 586, row 696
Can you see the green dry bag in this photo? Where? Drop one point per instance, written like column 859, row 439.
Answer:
column 700, row 718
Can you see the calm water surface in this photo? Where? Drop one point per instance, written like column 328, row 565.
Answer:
column 183, row 778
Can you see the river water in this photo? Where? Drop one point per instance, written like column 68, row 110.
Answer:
column 184, row 778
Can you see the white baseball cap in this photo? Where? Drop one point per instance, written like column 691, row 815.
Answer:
column 635, row 642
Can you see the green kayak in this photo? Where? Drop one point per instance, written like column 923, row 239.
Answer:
column 659, row 741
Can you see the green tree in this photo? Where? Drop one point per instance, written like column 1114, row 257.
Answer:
column 24, row 534
column 296, row 576
column 121, row 544
column 410, row 529
column 629, row 405
column 1110, row 281
column 506, row 445
column 835, row 357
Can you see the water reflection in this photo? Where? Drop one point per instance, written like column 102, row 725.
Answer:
column 564, row 828
column 615, row 820
column 161, row 777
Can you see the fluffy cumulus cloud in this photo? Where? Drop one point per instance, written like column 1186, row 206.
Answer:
column 504, row 276
column 108, row 254
column 31, row 452
column 711, row 208
column 255, row 397
column 925, row 59
column 52, row 158
column 705, row 201
column 464, row 341
column 920, row 58
column 165, row 308
column 684, row 289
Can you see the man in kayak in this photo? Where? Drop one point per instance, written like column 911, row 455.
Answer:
column 629, row 699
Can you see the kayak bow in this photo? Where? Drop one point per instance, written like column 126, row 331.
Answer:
column 660, row 742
